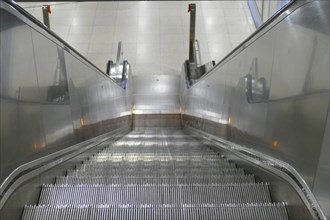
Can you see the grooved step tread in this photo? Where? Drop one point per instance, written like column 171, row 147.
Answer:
column 156, row 175
column 155, row 194
column 153, row 166
column 221, row 179
column 269, row 211
column 197, row 156
column 219, row 161
column 104, row 171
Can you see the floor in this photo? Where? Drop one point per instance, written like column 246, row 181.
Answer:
column 155, row 34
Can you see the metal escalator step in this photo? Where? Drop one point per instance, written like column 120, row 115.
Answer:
column 143, row 177
column 155, row 194
column 154, row 156
column 164, row 149
column 155, row 172
column 160, row 164
column 269, row 211
column 93, row 180
column 137, row 166
column 218, row 161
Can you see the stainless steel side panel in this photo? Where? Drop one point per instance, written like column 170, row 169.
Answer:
column 22, row 130
column 292, row 55
column 322, row 180
column 51, row 98
column 53, row 89
column 156, row 94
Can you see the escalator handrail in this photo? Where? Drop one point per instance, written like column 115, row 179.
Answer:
column 49, row 31
column 249, row 38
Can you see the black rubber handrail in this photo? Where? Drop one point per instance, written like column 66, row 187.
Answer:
column 53, row 34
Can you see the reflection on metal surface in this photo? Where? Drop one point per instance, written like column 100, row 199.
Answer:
column 162, row 95
column 321, row 188
column 276, row 143
column 58, row 91
column 280, row 169
column 229, row 120
column 280, row 108
column 51, row 97
column 255, row 89
column 36, row 167
column 35, row 147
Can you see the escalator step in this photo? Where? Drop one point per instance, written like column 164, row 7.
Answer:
column 218, row 162
column 105, row 171
column 137, row 166
column 153, row 157
column 269, row 211
column 156, row 148
column 152, row 175
column 94, row 180
column 155, row 194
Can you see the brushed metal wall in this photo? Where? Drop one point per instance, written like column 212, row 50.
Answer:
column 51, row 98
column 156, row 94
column 292, row 55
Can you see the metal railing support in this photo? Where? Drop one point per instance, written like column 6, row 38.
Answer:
column 119, row 54
column 192, row 10
column 45, row 14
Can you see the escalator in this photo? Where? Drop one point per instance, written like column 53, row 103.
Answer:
column 247, row 138
column 156, row 174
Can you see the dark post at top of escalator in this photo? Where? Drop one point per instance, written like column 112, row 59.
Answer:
column 118, row 71
column 193, row 66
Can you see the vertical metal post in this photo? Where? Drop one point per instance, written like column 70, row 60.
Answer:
column 119, row 54
column 45, row 13
column 192, row 10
